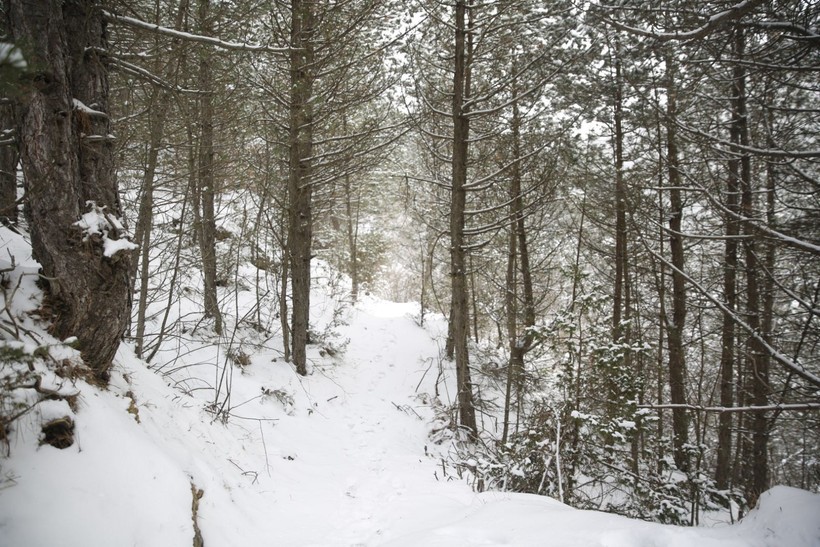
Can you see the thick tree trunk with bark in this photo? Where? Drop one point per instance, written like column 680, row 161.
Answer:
column 67, row 158
column 300, row 221
column 460, row 304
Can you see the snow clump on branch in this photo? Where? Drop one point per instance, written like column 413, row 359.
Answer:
column 97, row 222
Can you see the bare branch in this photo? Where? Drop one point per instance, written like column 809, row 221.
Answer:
column 140, row 72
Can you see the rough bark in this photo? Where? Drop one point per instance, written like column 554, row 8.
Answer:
column 67, row 158
column 460, row 304
column 300, row 221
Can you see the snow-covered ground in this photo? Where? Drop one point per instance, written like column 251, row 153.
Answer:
column 339, row 458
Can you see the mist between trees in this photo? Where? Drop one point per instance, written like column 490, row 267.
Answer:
column 617, row 208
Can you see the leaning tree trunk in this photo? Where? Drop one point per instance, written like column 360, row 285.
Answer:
column 67, row 156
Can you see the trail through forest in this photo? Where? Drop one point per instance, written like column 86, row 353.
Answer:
column 370, row 476
column 341, row 457
column 364, row 450
column 380, row 427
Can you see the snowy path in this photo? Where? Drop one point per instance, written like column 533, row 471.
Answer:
column 383, row 444
column 354, row 470
column 365, row 479
column 371, row 472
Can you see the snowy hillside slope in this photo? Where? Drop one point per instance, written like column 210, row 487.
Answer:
column 341, row 457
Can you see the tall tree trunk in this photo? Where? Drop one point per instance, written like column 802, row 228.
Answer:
column 300, row 221
column 460, row 305
column 207, row 232
column 576, row 372
column 527, row 296
column 757, row 380
column 145, row 218
column 511, row 309
column 762, row 424
column 659, row 273
column 677, row 361
column 612, row 380
column 423, row 288
column 473, row 314
column 449, row 343
column 67, row 156
column 723, row 471
column 520, row 340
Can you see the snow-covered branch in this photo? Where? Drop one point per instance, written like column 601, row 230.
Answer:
column 798, row 31
column 756, row 225
column 733, row 13
column 108, row 227
column 769, row 152
column 137, row 23
column 87, row 110
column 787, row 362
